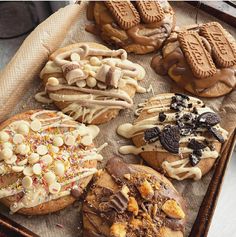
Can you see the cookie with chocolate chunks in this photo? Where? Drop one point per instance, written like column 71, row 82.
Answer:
column 201, row 59
column 145, row 203
column 181, row 146
column 139, row 27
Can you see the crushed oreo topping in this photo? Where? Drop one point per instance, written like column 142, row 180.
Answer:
column 162, row 117
column 186, row 124
column 169, row 138
column 179, row 102
column 194, row 159
column 208, row 119
column 152, row 134
column 216, row 134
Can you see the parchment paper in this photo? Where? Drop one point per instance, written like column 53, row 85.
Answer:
column 19, row 83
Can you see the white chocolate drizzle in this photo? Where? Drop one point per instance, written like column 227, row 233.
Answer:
column 179, row 169
column 94, row 81
column 63, row 163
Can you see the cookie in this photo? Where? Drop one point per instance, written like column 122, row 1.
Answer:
column 202, row 60
column 90, row 82
column 46, row 161
column 133, row 200
column 139, row 27
column 177, row 135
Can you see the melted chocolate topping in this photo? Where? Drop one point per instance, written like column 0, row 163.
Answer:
column 116, row 209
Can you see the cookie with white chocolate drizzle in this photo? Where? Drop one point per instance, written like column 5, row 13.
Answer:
column 176, row 134
column 46, row 161
column 128, row 200
column 139, row 27
column 90, row 82
column 201, row 59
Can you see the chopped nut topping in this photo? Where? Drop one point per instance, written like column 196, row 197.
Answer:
column 136, row 223
column 173, row 209
column 127, row 176
column 118, row 230
column 133, row 206
column 146, row 190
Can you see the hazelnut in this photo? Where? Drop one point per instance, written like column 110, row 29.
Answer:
column 173, row 209
column 146, row 190
column 133, row 206
column 118, row 230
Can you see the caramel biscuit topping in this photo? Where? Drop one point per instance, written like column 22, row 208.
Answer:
column 150, row 11
column 197, row 56
column 124, row 12
column 224, row 51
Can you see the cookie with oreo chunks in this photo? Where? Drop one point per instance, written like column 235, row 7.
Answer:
column 185, row 145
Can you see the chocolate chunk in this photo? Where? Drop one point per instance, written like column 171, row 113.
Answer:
column 162, row 117
column 208, row 119
column 117, row 202
column 195, row 145
column 217, row 134
column 169, row 138
column 151, row 134
column 76, row 192
column 194, row 159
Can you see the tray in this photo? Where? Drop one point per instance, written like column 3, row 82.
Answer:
column 21, row 98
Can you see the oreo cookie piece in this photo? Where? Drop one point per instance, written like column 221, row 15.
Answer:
column 208, row 119
column 195, row 145
column 169, row 138
column 194, row 159
column 186, row 124
column 216, row 134
column 162, row 117
column 179, row 102
column 152, row 134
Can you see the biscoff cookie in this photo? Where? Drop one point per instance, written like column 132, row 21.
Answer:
column 202, row 60
column 91, row 82
column 176, row 134
column 128, row 200
column 46, row 161
column 139, row 27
